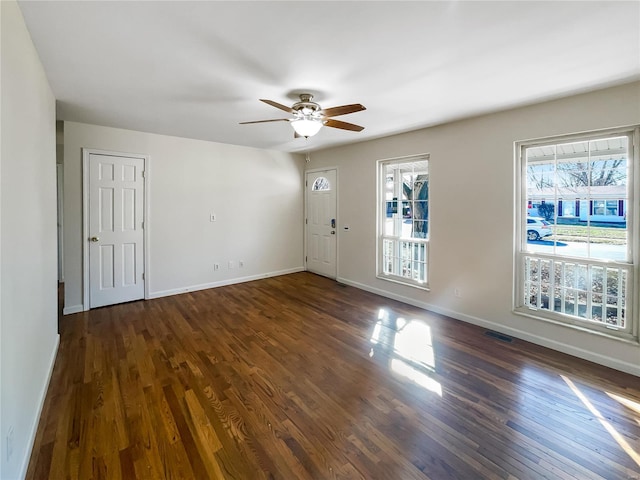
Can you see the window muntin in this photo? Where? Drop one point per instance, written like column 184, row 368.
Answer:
column 404, row 220
column 583, row 273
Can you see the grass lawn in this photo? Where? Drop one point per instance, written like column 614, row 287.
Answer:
column 578, row 233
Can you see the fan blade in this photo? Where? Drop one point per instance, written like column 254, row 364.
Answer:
column 343, row 125
column 277, row 105
column 342, row 110
column 265, row 121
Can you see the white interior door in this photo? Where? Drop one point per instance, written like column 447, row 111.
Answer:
column 116, row 236
column 321, row 193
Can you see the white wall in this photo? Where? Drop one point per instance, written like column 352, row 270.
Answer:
column 471, row 171
column 257, row 196
column 28, row 311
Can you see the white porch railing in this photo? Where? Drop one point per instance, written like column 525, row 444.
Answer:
column 405, row 258
column 585, row 289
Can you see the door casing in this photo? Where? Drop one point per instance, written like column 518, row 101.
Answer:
column 60, row 206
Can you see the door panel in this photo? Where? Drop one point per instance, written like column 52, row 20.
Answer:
column 129, row 264
column 105, row 210
column 116, row 236
column 128, row 209
column 106, row 267
column 321, row 194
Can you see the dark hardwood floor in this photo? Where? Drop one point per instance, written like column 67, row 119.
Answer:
column 298, row 377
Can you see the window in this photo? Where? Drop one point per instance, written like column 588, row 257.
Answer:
column 321, row 184
column 576, row 244
column 403, row 212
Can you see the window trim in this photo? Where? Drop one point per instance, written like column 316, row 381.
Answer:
column 630, row 334
column 380, row 223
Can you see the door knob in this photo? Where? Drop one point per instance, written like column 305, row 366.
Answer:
column 94, row 239
column 333, row 232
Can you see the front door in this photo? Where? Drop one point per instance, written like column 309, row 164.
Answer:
column 116, row 238
column 321, row 222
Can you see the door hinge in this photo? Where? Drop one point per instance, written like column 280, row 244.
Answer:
column 143, row 275
column 306, row 221
column 143, row 174
column 305, row 258
column 143, row 225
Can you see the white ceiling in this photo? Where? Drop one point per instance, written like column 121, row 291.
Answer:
column 197, row 69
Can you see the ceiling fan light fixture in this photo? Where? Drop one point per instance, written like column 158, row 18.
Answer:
column 307, row 127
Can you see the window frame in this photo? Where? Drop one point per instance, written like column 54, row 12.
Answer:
column 630, row 333
column 381, row 212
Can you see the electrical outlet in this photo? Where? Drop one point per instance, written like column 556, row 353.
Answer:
column 212, row 217
column 232, row 264
column 240, row 264
column 9, row 443
column 216, row 266
column 457, row 293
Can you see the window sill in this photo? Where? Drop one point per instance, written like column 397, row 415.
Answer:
column 402, row 281
column 612, row 334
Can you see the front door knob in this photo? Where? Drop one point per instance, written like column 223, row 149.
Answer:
column 94, row 239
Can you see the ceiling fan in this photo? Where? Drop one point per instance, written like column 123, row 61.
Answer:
column 309, row 117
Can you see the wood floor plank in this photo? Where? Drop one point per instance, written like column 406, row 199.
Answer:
column 299, row 377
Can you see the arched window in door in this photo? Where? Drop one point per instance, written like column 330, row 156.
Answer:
column 321, row 183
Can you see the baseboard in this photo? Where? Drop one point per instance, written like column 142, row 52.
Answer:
column 36, row 422
column 72, row 309
column 222, row 283
column 481, row 322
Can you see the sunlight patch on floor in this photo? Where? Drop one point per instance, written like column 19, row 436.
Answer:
column 630, row 404
column 608, row 427
column 416, row 376
column 411, row 346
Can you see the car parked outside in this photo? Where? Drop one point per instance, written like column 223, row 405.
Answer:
column 538, row 228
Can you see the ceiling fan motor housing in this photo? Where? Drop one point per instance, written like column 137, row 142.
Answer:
column 305, row 107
